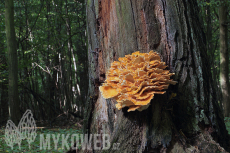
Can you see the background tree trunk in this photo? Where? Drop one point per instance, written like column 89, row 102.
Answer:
column 224, row 58
column 3, row 92
column 12, row 62
column 172, row 28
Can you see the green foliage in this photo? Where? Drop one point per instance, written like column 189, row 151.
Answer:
column 50, row 39
column 209, row 15
column 227, row 123
column 214, row 3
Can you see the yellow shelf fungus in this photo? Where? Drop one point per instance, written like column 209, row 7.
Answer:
column 134, row 79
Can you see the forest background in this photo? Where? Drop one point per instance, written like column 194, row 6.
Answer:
column 51, row 44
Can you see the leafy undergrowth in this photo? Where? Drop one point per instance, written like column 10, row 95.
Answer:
column 227, row 123
column 36, row 146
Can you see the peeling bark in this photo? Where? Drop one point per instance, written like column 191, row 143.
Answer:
column 173, row 29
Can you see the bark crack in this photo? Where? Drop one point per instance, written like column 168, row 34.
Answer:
column 134, row 23
column 166, row 32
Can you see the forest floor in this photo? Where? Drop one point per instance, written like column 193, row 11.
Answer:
column 40, row 144
column 45, row 137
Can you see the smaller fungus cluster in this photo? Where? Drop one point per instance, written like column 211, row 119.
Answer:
column 134, row 79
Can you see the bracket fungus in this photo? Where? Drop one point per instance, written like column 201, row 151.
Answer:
column 134, row 79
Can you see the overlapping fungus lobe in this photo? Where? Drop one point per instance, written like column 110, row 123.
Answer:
column 134, row 79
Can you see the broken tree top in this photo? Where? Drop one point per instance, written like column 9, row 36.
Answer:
column 134, row 79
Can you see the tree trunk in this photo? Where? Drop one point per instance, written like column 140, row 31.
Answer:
column 3, row 91
column 69, row 57
column 12, row 62
column 3, row 103
column 184, row 123
column 224, row 59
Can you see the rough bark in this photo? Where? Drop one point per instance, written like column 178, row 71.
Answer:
column 12, row 62
column 224, row 58
column 172, row 28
